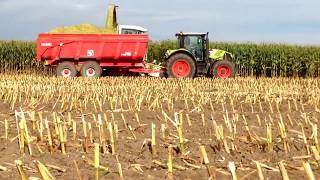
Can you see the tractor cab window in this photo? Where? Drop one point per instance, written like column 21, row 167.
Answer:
column 194, row 44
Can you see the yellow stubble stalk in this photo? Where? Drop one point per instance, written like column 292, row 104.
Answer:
column 49, row 135
column 186, row 103
column 283, row 135
column 71, row 104
column 94, row 118
column 269, row 137
column 247, row 127
column 6, row 128
column 110, row 128
column 69, row 119
column 205, row 159
column 188, row 120
column 54, row 116
column 90, row 132
column 164, row 131
column 21, row 137
column 116, row 131
column 44, row 172
column 74, row 130
column 105, row 118
column 94, row 105
column 102, row 138
column 278, row 107
column 21, row 170
column 119, row 168
column 96, row 160
column 252, row 109
column 223, row 107
column 271, row 119
column 316, row 155
column 85, row 134
column 290, row 120
column 232, row 169
column 61, row 137
column 132, row 132
column 27, row 137
column 124, row 121
column 25, row 133
column 170, row 162
column 305, row 139
column 232, row 105
column 315, row 136
column 270, row 106
column 137, row 118
column 181, row 118
column 259, row 119
column 260, row 106
column 259, row 169
column 32, row 115
column 283, row 171
column 308, row 170
column 181, row 139
column 40, row 126
column 203, row 120
column 211, row 106
column 306, row 118
column 302, row 106
column 153, row 140
column 220, row 137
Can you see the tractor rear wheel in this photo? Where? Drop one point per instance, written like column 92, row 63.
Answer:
column 181, row 66
column 223, row 69
column 91, row 69
column 66, row 69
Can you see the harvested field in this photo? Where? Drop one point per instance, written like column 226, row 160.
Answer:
column 235, row 128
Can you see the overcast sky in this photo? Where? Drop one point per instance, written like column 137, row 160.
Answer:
column 281, row 21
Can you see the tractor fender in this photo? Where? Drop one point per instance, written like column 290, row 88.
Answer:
column 219, row 55
column 170, row 53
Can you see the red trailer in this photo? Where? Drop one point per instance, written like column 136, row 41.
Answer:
column 88, row 53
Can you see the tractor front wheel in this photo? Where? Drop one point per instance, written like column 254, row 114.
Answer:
column 66, row 69
column 181, row 66
column 91, row 69
column 223, row 69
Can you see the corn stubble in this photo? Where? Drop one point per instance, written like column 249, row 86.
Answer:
column 200, row 125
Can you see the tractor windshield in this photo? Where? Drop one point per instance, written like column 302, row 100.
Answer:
column 193, row 44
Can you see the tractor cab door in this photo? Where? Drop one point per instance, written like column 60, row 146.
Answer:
column 194, row 44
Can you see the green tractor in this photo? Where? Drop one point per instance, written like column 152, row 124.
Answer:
column 194, row 58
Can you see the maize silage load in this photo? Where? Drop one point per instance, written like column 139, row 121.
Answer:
column 110, row 27
column 81, row 29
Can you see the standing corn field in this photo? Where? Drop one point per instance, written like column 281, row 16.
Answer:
column 251, row 59
column 19, row 56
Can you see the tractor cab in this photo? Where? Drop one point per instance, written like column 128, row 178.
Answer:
column 195, row 43
column 193, row 57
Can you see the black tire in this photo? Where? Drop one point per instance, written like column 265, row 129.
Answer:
column 188, row 69
column 66, row 69
column 91, row 69
column 223, row 69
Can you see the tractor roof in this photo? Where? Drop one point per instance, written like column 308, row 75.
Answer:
column 190, row 33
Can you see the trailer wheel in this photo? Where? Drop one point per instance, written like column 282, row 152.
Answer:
column 223, row 69
column 181, row 66
column 66, row 69
column 91, row 69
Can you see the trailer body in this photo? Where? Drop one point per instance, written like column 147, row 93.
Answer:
column 108, row 50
